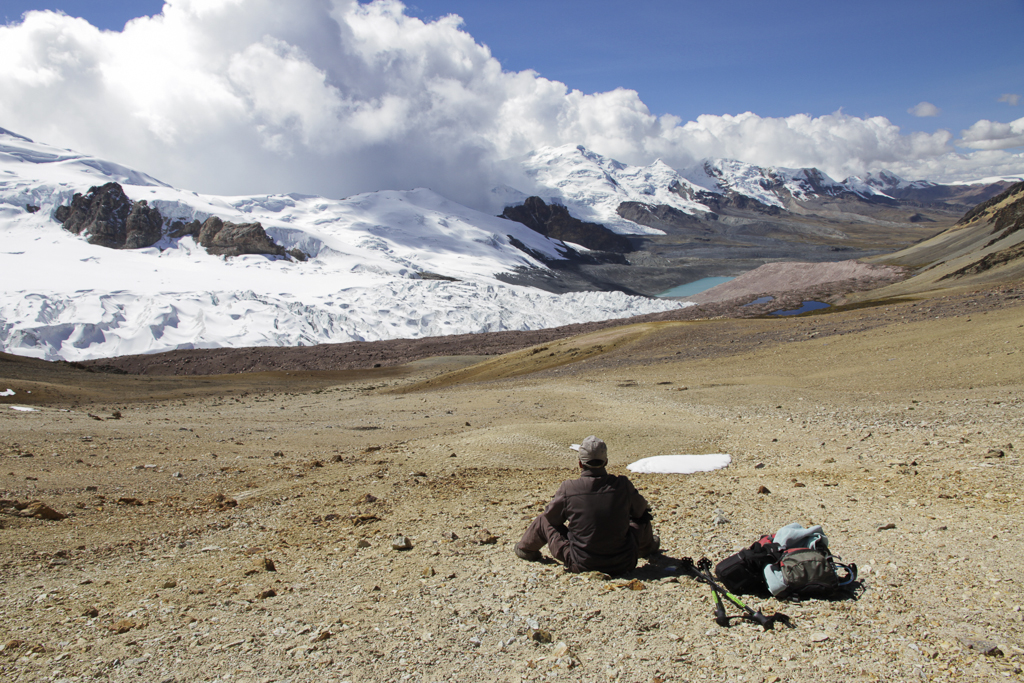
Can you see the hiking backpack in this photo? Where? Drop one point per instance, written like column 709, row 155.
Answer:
column 765, row 567
column 743, row 572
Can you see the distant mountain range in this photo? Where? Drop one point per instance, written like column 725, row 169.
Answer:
column 138, row 266
column 719, row 217
column 595, row 188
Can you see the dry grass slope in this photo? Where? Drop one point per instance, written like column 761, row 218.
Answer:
column 897, row 427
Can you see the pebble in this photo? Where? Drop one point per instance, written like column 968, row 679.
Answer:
column 401, row 542
column 124, row 625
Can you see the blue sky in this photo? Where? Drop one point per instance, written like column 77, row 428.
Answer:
column 776, row 58
column 261, row 95
column 870, row 58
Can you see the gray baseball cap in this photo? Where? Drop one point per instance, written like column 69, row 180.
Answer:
column 593, row 453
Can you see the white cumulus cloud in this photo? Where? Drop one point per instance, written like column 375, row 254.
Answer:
column 335, row 97
column 991, row 135
column 924, row 109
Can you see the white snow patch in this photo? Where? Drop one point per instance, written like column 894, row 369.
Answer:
column 9, row 392
column 23, row 409
column 680, row 464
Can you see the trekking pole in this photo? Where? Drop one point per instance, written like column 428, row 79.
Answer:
column 721, row 618
column 701, row 572
column 704, row 569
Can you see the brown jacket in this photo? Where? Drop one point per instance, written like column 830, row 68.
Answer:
column 597, row 508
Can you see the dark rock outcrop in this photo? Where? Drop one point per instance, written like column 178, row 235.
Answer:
column 233, row 239
column 230, row 239
column 554, row 221
column 110, row 219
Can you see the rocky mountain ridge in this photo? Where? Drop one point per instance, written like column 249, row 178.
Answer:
column 600, row 189
column 108, row 218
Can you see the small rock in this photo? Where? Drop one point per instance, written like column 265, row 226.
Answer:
column 263, row 595
column 474, row 641
column 763, row 490
column 124, row 625
column 450, row 536
column 40, row 510
column 428, row 572
column 995, row 453
column 485, row 537
column 540, row 636
column 91, row 612
column 169, row 583
column 177, row 475
column 221, row 502
column 985, row 647
column 799, row 485
column 401, row 542
column 885, row 527
column 819, row 637
column 759, row 466
column 560, row 650
column 12, row 645
column 362, row 543
column 321, row 636
column 266, row 564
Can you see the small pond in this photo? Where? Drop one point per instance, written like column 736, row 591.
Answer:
column 695, row 287
column 761, row 300
column 807, row 306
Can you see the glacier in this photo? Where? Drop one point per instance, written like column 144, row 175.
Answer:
column 65, row 299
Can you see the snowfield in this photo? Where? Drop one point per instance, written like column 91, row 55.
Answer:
column 62, row 298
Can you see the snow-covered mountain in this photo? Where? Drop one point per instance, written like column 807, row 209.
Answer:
column 63, row 298
column 771, row 186
column 593, row 187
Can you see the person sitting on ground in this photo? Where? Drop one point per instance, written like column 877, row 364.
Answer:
column 596, row 522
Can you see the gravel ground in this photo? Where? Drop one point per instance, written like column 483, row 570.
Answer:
column 241, row 528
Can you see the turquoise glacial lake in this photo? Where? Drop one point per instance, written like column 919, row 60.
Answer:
column 695, row 287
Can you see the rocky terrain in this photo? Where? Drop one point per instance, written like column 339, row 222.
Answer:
column 357, row 525
column 108, row 218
